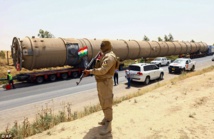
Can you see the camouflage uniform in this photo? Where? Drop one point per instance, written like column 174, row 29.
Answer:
column 104, row 71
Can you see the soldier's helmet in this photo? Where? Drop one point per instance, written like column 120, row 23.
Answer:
column 105, row 46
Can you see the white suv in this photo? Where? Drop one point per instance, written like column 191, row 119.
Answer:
column 144, row 72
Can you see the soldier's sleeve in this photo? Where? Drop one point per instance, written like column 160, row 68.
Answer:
column 97, row 64
column 108, row 62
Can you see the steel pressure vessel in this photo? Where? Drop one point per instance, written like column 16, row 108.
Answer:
column 35, row 53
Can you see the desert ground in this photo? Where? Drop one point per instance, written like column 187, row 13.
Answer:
column 178, row 110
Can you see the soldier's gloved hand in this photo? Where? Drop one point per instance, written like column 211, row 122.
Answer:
column 86, row 73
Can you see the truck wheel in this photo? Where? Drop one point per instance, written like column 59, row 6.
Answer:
column 161, row 76
column 147, row 80
column 75, row 74
column 39, row 79
column 170, row 71
column 193, row 68
column 52, row 77
column 64, row 76
column 22, row 77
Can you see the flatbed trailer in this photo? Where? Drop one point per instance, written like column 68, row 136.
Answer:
column 49, row 75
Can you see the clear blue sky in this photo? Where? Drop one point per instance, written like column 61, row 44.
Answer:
column 107, row 19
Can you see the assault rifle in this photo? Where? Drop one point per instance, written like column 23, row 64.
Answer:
column 88, row 66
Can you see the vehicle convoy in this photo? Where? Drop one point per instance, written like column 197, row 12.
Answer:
column 161, row 61
column 181, row 64
column 145, row 72
column 36, row 53
column 196, row 54
column 210, row 50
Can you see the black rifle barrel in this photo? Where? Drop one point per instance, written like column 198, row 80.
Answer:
column 88, row 66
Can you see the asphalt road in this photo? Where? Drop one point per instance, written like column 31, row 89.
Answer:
column 28, row 93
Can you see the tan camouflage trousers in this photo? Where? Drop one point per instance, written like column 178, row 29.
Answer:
column 105, row 94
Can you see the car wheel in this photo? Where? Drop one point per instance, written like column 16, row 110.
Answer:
column 52, row 78
column 147, row 80
column 39, row 79
column 161, row 76
column 170, row 71
column 64, row 76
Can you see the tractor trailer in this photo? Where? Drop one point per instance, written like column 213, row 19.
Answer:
column 36, row 53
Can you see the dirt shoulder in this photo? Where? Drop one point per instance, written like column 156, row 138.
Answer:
column 178, row 110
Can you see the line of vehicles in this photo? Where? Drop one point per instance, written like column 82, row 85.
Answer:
column 36, row 53
column 177, row 66
column 146, row 72
column 141, row 72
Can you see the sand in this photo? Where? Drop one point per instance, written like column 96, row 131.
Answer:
column 178, row 110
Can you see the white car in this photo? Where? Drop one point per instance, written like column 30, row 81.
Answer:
column 161, row 61
column 182, row 64
column 145, row 72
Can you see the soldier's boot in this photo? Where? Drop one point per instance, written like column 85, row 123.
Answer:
column 102, row 122
column 106, row 128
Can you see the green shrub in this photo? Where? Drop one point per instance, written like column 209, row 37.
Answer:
column 2, row 55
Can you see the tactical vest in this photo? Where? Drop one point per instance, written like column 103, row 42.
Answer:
column 10, row 76
column 99, row 63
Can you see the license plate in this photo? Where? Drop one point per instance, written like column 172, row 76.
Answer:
column 173, row 68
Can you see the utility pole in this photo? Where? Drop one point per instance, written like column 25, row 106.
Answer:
column 7, row 59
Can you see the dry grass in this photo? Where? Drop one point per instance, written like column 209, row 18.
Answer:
column 4, row 65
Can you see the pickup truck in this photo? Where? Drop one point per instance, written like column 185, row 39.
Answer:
column 161, row 61
column 181, row 64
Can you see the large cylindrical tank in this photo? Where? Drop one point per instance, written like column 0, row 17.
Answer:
column 35, row 53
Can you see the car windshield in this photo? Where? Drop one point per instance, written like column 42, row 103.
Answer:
column 157, row 59
column 179, row 61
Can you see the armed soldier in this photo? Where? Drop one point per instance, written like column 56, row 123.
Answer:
column 104, row 71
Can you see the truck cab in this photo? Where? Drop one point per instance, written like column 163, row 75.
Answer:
column 161, row 61
column 182, row 64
